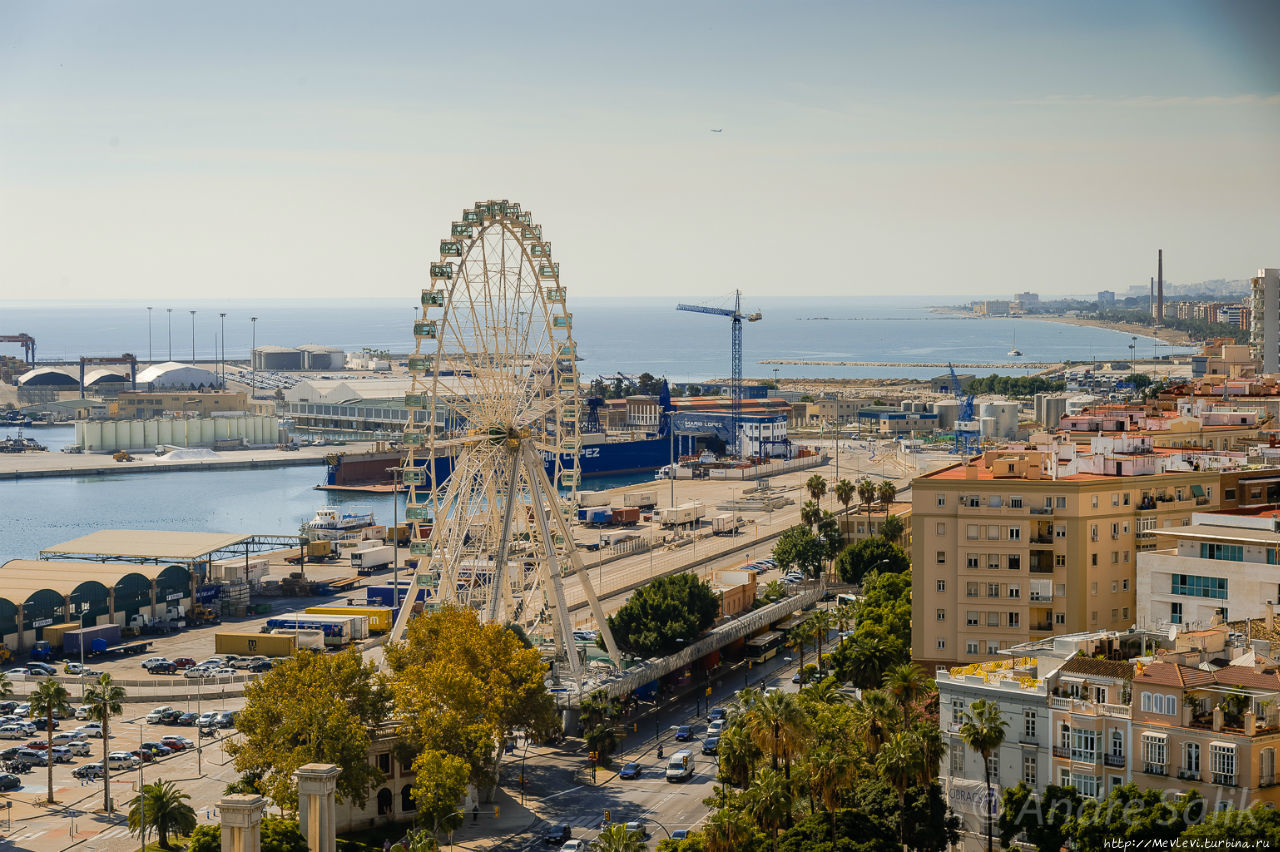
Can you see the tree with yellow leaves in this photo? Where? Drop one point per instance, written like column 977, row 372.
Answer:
column 461, row 687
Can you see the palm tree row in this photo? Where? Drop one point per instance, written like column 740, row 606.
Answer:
column 781, row 749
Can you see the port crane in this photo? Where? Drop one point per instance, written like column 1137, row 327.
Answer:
column 736, row 316
column 27, row 342
column 967, row 429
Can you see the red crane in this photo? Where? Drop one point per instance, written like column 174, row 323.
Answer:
column 28, row 344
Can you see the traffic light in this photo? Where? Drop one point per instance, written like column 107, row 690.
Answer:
column 607, row 817
column 708, row 692
column 495, row 811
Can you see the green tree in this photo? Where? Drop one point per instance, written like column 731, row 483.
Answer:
column 663, row 611
column 603, row 740
column 875, row 719
column 1256, row 827
column 830, row 772
column 334, row 700
column 859, row 559
column 1043, row 819
column 907, row 683
column 898, row 762
column 161, row 806
column 845, row 492
column 105, row 698
column 810, row 514
column 282, row 835
column 776, row 724
column 866, row 493
column 461, row 686
column 1144, row 818
column 982, row 729
column 50, row 699
column 798, row 547
column 616, row 838
column 6, row 686
column 440, row 782
column 738, row 754
column 730, row 830
column 774, row 590
column 769, row 801
column 892, row 529
column 817, row 488
column 205, row 838
column 886, row 491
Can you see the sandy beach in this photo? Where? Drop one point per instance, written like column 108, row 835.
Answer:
column 1168, row 335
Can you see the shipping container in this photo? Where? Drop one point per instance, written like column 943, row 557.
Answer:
column 364, row 561
column 384, row 595
column 93, row 640
column 53, row 633
column 380, row 617
column 609, row 539
column 600, row 515
column 593, row 498
column 626, row 516
column 251, row 570
column 312, row 640
column 255, row 644
column 687, row 513
column 354, row 626
column 640, row 499
column 336, row 634
column 725, row 524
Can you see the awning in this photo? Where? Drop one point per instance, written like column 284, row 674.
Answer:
column 1197, row 491
column 1153, row 736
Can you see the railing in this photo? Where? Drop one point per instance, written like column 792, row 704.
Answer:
column 1061, row 751
column 1028, row 740
column 1041, row 510
column 1040, row 568
column 1124, row 711
column 1154, row 769
column 1086, row 756
column 1041, row 539
column 1223, row 779
column 1058, row 702
column 1041, row 597
column 1188, row 774
column 1042, row 626
column 1116, row 760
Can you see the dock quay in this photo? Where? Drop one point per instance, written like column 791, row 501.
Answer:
column 990, row 365
column 39, row 465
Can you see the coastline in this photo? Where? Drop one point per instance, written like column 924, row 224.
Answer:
column 1166, row 335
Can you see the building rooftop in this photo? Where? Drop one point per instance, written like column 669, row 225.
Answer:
column 1092, row 667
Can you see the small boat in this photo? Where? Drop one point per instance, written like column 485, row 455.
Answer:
column 1015, row 352
column 342, row 518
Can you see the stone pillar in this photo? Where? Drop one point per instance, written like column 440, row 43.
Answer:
column 317, row 784
column 242, row 822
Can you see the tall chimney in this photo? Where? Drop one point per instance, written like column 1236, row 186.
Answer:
column 1160, row 286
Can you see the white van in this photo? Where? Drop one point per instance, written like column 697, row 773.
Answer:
column 680, row 766
column 121, row 760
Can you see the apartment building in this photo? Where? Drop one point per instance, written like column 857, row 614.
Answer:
column 1022, row 543
column 1223, row 566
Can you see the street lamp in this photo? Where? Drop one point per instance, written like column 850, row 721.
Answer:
column 222, row 359
column 193, row 338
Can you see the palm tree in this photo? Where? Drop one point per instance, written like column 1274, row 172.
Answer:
column 867, row 494
column 898, row 762
column 726, row 830
column 868, row 656
column 891, row 530
column 885, row 492
column 830, row 773
column 105, row 699
column 825, row 691
column 810, row 514
column 982, row 729
column 822, row 622
column 845, row 616
column 801, row 635
column 161, row 806
column 6, row 687
column 932, row 748
column 616, row 838
column 738, row 755
column 817, row 487
column 845, row 491
column 50, row 698
column 776, row 722
column 876, row 715
column 908, row 683
column 770, row 802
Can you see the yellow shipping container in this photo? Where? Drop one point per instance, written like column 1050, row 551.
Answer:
column 255, row 644
column 381, row 618
column 53, row 632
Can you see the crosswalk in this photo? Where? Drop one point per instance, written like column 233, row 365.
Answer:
column 21, row 835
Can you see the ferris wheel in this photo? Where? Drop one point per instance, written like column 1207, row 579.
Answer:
column 493, row 428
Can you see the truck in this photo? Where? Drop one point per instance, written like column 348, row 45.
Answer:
column 255, row 644
column 725, row 524
column 364, row 561
column 587, row 499
column 626, row 516
column 380, row 617
column 640, row 499
column 53, row 634
column 686, row 513
column 91, row 640
column 609, row 539
column 317, row 551
column 596, row 515
column 680, row 766
column 385, row 595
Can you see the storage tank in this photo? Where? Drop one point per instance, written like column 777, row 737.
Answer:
column 987, row 427
column 1005, row 415
column 1079, row 403
column 277, row 358
column 947, row 410
column 319, row 357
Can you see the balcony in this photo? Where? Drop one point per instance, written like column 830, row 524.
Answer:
column 1154, row 769
column 1062, row 751
column 1223, row 779
column 1116, row 760
column 1040, row 597
column 1041, row 539
column 1042, row 626
column 1084, row 756
column 1028, row 740
column 1041, row 510
column 1188, row 774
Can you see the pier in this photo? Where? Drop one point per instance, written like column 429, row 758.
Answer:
column 39, row 465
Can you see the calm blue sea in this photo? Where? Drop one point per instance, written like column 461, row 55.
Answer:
column 628, row 335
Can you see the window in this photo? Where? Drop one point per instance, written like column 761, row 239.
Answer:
column 971, row 590
column 1115, row 499
column 1015, row 533
column 1059, row 560
column 971, row 561
column 1191, row 759
column 1117, row 744
column 1199, row 587
column 384, row 763
column 993, row 590
column 993, row 768
column 994, row 501
column 1014, row 562
column 1115, row 557
column 971, row 618
column 1029, row 770
column 1100, row 695
column 942, row 528
column 1124, row 612
column 1115, row 586
column 1015, row 619
column 957, row 758
column 1267, row 767
column 1059, row 618
column 1093, row 559
column 1060, row 502
column 993, row 619
column 993, row 533
column 971, row 646
column 942, row 644
column 993, row 646
column 942, row 615
column 1084, row 744
column 1015, row 591
column 1086, row 785
column 406, row 799
column 971, row 532
column 1115, row 613
column 1093, row 502
column 1015, row 502
column 957, row 710
column 1222, row 763
column 1064, row 777
column 1093, row 616
column 1060, row 531
column 993, row 561
column 1029, row 724
column 1124, row 584
column 1229, row 552
column 1153, row 753
column 1064, row 736
column 1175, row 612
column 942, row 585
column 1093, row 588
column 1093, row 532
column 942, row 500
column 1125, row 499
column 942, row 557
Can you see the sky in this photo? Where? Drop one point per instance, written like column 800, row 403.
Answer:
column 320, row 149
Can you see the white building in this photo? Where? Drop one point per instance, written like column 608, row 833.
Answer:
column 1221, row 564
column 1265, row 319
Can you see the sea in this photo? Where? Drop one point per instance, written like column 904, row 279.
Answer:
column 630, row 336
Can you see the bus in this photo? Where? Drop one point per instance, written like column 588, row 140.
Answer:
column 846, row 599
column 763, row 647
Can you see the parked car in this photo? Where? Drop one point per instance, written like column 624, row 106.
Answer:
column 261, row 666
column 93, row 729
column 9, row 781
column 41, row 669
column 38, row 745
column 32, row 757
column 89, row 770
column 557, row 835
column 200, row 671
column 9, row 754
column 157, row 714
column 224, row 672
column 23, row 710
column 65, row 737
column 214, row 662
column 60, row 754
column 78, row 669
column 121, row 760
column 187, row 719
column 12, row 732
column 227, row 718
column 175, row 743
column 246, row 662
column 80, row 748
column 631, row 770
column 183, row 662
column 683, row 734
column 83, row 711
column 143, row 755
column 150, row 661
column 158, row 749
column 207, row 719
column 6, row 707
column 42, row 722
column 162, row 667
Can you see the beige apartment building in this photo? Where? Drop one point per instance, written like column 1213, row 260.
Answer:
column 1019, row 544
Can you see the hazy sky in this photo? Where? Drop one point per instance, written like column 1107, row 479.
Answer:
column 313, row 149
